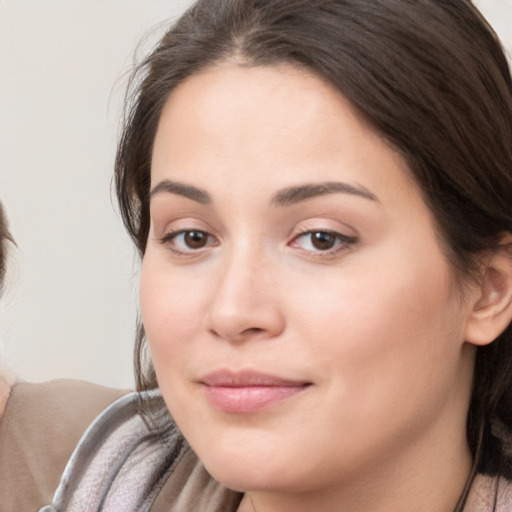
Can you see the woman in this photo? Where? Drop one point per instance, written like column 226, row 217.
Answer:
column 321, row 195
column 5, row 375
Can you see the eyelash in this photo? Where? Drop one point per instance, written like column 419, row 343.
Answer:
column 342, row 242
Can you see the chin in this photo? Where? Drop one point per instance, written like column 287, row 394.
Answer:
column 245, row 477
column 264, row 469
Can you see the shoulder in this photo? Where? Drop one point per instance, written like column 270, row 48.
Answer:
column 56, row 410
column 73, row 399
column 42, row 424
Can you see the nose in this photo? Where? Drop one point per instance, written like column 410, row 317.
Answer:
column 245, row 303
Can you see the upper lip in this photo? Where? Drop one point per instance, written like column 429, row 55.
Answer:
column 247, row 378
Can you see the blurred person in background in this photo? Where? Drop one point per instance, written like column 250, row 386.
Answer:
column 40, row 423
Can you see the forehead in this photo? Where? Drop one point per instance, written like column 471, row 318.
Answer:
column 256, row 123
column 277, row 98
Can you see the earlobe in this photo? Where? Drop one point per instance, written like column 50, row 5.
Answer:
column 492, row 311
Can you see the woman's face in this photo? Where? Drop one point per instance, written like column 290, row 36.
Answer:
column 301, row 315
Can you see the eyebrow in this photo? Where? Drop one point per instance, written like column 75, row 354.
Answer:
column 180, row 189
column 294, row 195
column 285, row 197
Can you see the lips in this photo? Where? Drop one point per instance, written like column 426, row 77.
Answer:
column 248, row 392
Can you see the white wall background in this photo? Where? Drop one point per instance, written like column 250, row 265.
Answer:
column 69, row 309
column 70, row 305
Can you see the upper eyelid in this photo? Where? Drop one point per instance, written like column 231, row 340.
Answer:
column 306, row 230
column 315, row 227
column 176, row 232
column 163, row 225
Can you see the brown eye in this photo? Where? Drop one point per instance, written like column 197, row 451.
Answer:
column 329, row 242
column 187, row 241
column 323, row 241
column 195, row 239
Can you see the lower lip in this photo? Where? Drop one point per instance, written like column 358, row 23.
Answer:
column 249, row 399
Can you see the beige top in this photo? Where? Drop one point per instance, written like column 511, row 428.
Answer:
column 41, row 426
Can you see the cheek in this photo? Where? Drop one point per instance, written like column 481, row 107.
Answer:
column 388, row 354
column 172, row 311
column 383, row 328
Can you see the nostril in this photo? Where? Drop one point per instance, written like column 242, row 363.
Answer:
column 254, row 330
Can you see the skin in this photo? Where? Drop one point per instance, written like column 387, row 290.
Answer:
column 6, row 381
column 374, row 324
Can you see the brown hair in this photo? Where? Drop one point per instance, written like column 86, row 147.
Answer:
column 430, row 76
column 4, row 237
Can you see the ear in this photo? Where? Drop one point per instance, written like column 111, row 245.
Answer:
column 492, row 311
